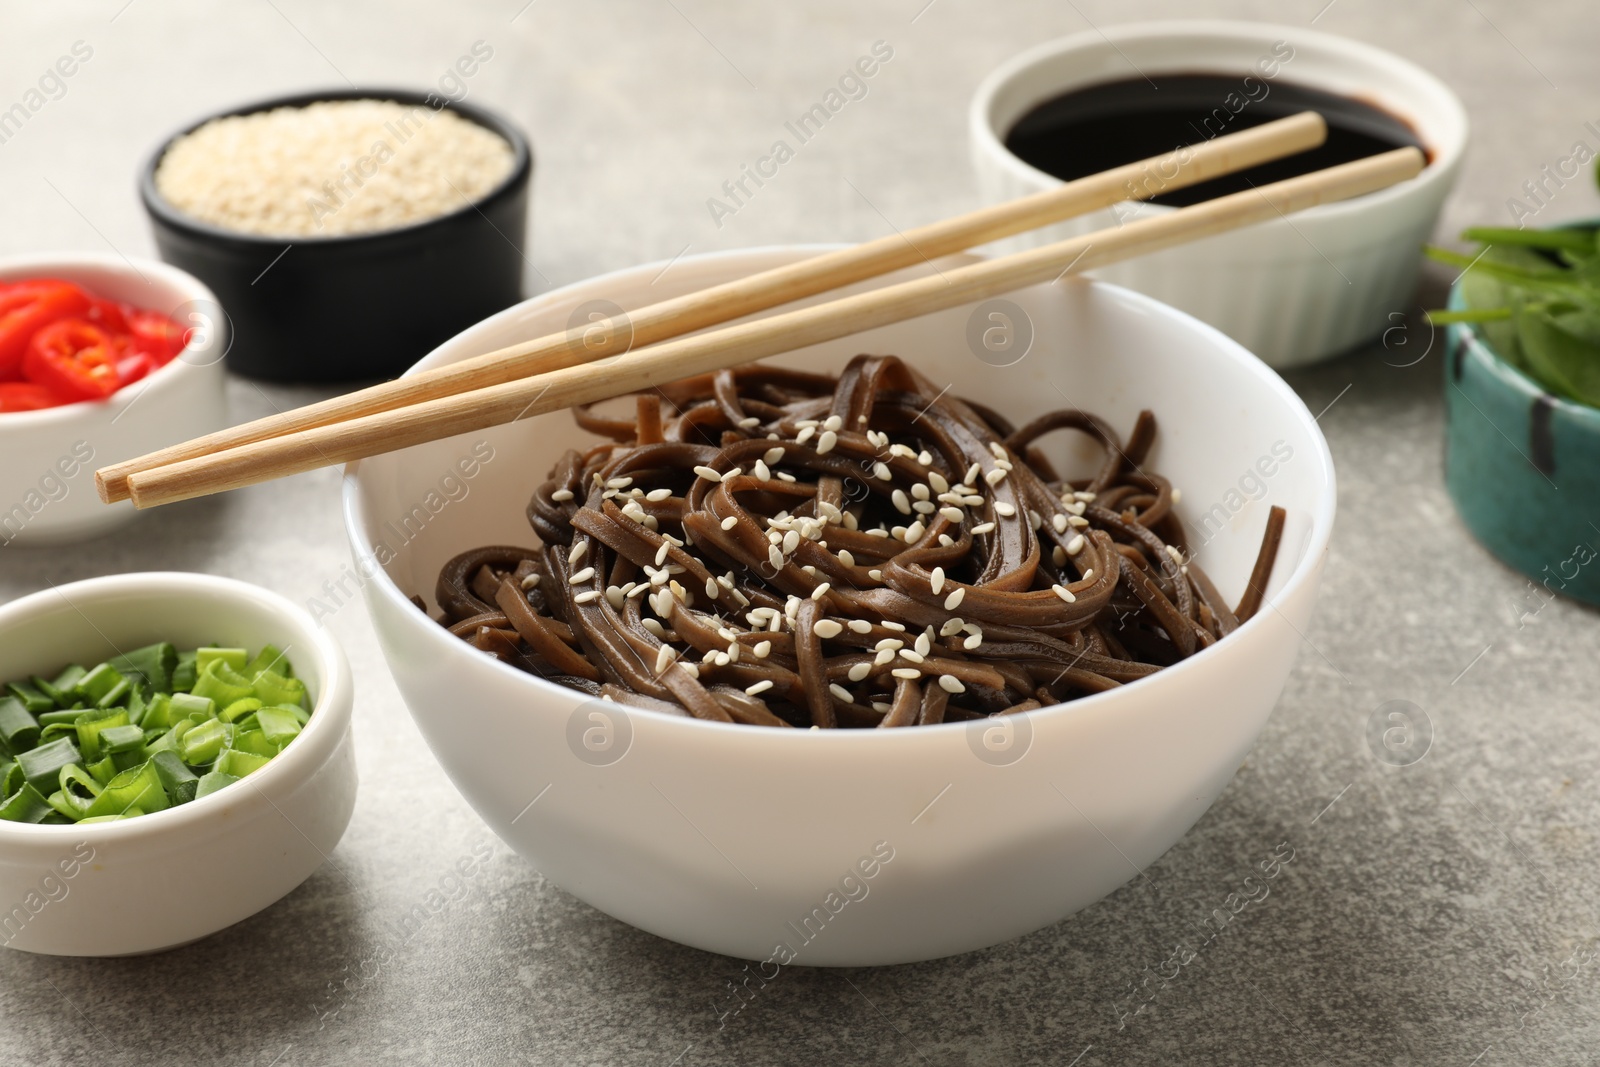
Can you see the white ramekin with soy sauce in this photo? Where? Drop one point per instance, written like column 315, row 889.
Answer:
column 1292, row 291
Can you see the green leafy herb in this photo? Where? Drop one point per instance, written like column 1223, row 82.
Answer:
column 1534, row 296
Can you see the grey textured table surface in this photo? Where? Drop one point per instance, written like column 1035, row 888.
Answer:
column 1441, row 913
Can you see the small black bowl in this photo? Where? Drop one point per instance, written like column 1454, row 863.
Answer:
column 359, row 306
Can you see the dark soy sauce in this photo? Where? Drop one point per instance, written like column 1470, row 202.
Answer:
column 1092, row 129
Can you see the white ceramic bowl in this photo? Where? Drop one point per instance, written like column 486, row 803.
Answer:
column 717, row 836
column 47, row 493
column 174, row 876
column 1291, row 290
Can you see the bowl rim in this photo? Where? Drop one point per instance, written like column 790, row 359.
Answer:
column 301, row 759
column 135, row 269
column 1305, row 570
column 982, row 135
column 1475, row 344
column 164, row 213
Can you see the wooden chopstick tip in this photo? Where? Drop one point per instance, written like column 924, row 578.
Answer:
column 1419, row 161
column 111, row 488
column 1306, row 129
column 1384, row 169
column 1313, row 120
column 141, row 502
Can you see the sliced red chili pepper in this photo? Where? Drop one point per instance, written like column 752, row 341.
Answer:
column 159, row 335
column 133, row 363
column 109, row 315
column 26, row 307
column 75, row 359
column 26, row 396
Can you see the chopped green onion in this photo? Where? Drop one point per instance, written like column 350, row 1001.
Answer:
column 139, row 787
column 153, row 664
column 77, row 793
column 200, row 746
column 143, row 731
column 212, row 781
column 88, row 730
column 278, row 726
column 223, row 684
column 61, row 806
column 57, row 697
column 274, row 688
column 184, row 674
column 97, row 683
column 178, row 780
column 156, row 713
column 136, row 705
column 66, row 683
column 131, row 813
column 239, row 709
column 104, row 770
column 236, row 658
column 77, row 782
column 25, row 805
column 59, row 730
column 168, row 742
column 33, row 698
column 187, row 706
column 270, row 659
column 18, row 728
column 239, row 764
column 131, row 758
column 41, row 766
column 255, row 743
column 121, row 738
column 119, row 693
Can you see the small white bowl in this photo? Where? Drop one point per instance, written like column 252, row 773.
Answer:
column 47, row 493
column 717, row 835
column 171, row 877
column 1293, row 291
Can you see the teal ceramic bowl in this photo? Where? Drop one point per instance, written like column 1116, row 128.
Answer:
column 1523, row 468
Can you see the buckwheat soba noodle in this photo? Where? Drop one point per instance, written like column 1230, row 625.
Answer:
column 777, row 548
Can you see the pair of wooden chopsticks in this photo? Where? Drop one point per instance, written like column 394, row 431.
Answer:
column 558, row 370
